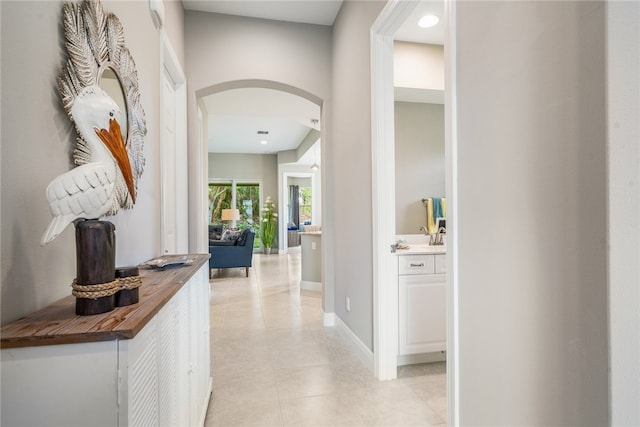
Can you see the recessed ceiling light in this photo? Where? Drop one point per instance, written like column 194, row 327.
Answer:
column 428, row 21
column 264, row 142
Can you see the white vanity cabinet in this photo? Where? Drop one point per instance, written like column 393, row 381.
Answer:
column 422, row 303
column 147, row 364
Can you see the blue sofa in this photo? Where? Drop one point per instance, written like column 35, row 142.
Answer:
column 231, row 251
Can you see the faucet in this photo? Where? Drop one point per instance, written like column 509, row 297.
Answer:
column 423, row 228
column 438, row 240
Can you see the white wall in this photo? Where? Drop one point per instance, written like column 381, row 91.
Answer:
column 37, row 139
column 418, row 65
column 174, row 27
column 419, row 155
column 531, row 160
column 258, row 167
column 623, row 77
column 350, row 166
column 299, row 181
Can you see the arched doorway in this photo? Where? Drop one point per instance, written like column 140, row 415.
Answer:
column 287, row 119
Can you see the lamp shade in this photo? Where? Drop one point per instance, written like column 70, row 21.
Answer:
column 230, row 214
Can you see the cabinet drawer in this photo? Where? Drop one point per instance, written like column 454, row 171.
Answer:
column 416, row 264
column 441, row 264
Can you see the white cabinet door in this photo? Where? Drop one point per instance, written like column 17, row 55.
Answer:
column 422, row 322
column 185, row 333
column 138, row 362
column 200, row 378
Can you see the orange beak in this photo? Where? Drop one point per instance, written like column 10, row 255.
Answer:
column 112, row 138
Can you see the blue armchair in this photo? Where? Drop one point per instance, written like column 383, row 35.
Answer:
column 233, row 253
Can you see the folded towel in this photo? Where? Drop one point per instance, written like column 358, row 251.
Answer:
column 436, row 208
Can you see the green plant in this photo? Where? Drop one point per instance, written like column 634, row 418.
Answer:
column 269, row 223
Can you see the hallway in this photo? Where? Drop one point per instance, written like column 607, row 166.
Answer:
column 274, row 364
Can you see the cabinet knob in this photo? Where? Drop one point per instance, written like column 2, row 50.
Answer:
column 416, row 265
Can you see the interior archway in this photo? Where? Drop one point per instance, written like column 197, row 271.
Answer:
column 298, row 158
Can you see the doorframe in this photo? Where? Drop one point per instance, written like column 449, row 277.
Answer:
column 284, row 199
column 385, row 286
column 170, row 64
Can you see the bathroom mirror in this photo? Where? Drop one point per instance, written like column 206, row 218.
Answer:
column 97, row 56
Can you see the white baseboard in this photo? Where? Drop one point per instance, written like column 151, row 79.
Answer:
column 329, row 319
column 311, row 286
column 203, row 411
column 361, row 350
column 412, row 359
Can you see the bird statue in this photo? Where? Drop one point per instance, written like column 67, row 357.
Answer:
column 88, row 191
column 109, row 164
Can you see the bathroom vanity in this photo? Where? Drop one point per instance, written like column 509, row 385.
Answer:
column 422, row 292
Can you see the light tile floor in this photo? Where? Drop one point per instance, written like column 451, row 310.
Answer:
column 274, row 364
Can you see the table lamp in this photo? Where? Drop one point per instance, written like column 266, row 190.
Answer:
column 232, row 215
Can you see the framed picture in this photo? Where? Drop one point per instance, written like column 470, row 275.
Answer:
column 441, row 223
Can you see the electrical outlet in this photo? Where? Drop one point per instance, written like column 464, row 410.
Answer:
column 347, row 303
column 313, row 245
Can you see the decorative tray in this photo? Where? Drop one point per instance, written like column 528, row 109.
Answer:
column 169, row 261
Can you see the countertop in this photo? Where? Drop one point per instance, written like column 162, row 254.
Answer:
column 419, row 245
column 58, row 323
column 422, row 249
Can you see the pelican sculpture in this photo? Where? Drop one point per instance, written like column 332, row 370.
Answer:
column 109, row 164
column 88, row 191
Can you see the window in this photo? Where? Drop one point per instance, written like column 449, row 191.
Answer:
column 305, row 205
column 220, row 197
column 245, row 196
column 248, row 202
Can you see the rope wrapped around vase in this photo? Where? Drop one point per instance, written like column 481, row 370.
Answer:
column 95, row 291
column 132, row 282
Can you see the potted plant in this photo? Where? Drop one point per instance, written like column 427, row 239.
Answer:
column 269, row 224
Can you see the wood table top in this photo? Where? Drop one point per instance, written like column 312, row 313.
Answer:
column 58, row 323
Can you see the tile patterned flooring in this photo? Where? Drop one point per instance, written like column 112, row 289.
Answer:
column 274, row 364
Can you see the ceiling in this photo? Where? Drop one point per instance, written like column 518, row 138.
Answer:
column 236, row 116
column 320, row 12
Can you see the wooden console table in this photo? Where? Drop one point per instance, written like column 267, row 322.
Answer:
column 143, row 364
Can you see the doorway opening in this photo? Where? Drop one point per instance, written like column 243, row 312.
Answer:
column 262, row 131
column 282, row 139
column 301, row 205
column 385, row 275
